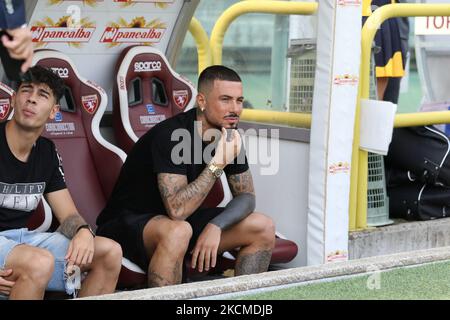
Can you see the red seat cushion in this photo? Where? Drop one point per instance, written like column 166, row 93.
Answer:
column 129, row 279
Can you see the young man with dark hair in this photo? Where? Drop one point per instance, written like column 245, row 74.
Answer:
column 31, row 261
column 156, row 211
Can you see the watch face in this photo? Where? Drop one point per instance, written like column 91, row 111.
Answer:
column 218, row 173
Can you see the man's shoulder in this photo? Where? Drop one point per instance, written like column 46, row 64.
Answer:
column 182, row 120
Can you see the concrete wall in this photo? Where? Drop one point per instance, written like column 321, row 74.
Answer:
column 284, row 195
column 401, row 237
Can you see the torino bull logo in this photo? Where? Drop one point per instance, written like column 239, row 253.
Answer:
column 4, row 108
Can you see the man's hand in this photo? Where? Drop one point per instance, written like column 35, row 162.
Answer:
column 5, row 285
column 227, row 151
column 20, row 47
column 81, row 249
column 205, row 250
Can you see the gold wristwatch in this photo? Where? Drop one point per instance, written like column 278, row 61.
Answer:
column 215, row 170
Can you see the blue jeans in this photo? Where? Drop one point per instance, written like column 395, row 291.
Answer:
column 54, row 242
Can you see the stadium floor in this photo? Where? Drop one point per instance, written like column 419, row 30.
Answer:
column 429, row 281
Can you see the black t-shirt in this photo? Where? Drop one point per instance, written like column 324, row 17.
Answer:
column 22, row 184
column 137, row 190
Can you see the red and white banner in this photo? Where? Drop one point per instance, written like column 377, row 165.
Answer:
column 60, row 34
column 132, row 35
column 94, row 32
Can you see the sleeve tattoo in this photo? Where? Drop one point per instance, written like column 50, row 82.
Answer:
column 243, row 203
column 70, row 225
column 180, row 198
column 241, row 183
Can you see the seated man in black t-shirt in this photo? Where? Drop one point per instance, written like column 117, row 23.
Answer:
column 155, row 211
column 31, row 261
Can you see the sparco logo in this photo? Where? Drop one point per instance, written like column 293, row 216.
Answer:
column 145, row 66
column 131, row 35
column 59, row 34
column 61, row 72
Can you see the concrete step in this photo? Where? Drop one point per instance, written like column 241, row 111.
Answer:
column 402, row 236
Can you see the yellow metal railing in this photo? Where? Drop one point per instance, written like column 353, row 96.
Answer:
column 359, row 173
column 301, row 120
column 202, row 41
column 216, row 43
column 240, row 8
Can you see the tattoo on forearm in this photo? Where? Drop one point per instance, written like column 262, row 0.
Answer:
column 70, row 225
column 235, row 211
column 253, row 263
column 241, row 183
column 183, row 200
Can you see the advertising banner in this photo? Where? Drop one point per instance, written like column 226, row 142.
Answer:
column 94, row 33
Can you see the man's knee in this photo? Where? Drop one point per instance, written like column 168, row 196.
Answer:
column 33, row 264
column 177, row 235
column 108, row 252
column 263, row 227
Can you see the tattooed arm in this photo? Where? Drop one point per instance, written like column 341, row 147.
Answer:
column 204, row 253
column 180, row 198
column 65, row 211
column 81, row 248
column 241, row 205
column 70, row 225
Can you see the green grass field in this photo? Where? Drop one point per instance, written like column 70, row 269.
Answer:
column 426, row 282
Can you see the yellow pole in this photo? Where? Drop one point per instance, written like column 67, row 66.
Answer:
column 354, row 167
column 240, row 8
column 372, row 24
column 421, row 118
column 302, row 120
column 202, row 42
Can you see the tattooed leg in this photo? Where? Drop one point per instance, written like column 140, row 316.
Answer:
column 156, row 279
column 255, row 236
column 253, row 263
column 166, row 242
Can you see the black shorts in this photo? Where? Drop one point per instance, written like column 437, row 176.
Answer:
column 128, row 231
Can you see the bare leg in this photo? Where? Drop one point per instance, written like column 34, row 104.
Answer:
column 166, row 242
column 104, row 270
column 32, row 270
column 256, row 237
